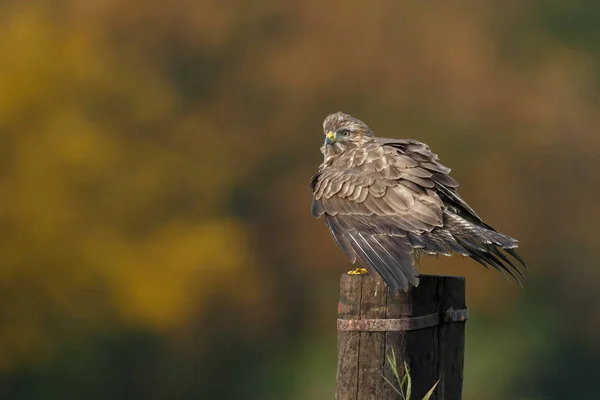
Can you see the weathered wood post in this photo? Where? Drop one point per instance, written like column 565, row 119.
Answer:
column 424, row 326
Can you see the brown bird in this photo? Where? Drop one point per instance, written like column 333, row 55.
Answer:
column 386, row 201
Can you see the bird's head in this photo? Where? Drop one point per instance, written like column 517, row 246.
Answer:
column 343, row 131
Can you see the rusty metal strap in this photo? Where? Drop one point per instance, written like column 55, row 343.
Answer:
column 402, row 324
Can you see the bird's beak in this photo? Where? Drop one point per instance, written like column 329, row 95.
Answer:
column 330, row 137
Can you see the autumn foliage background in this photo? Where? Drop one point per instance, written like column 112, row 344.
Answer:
column 156, row 238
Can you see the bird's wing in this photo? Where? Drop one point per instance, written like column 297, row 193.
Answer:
column 373, row 200
column 445, row 184
column 463, row 232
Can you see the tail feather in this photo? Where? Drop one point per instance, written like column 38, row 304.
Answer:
column 499, row 254
column 485, row 245
column 513, row 253
column 491, row 259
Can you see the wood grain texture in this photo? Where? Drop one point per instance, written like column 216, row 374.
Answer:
column 431, row 353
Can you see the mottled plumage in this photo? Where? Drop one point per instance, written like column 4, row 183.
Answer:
column 387, row 200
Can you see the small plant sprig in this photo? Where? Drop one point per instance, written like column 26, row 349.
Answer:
column 405, row 384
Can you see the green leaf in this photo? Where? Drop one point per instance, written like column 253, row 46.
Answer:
column 403, row 382
column 394, row 367
column 428, row 395
column 408, row 380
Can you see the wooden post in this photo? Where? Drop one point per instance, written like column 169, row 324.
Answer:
column 425, row 327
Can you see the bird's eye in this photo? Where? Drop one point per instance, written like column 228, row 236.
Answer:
column 344, row 132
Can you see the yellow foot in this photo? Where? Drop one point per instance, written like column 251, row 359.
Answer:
column 358, row 271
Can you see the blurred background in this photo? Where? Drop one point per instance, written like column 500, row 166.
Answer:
column 156, row 237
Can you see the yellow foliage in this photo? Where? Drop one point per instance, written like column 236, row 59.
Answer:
column 97, row 157
column 162, row 279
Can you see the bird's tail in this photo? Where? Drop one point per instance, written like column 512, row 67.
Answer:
column 475, row 239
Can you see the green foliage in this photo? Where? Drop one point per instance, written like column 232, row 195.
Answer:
column 404, row 388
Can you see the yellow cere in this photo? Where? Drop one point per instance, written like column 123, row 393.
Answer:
column 330, row 135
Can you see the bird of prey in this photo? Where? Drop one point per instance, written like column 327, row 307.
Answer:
column 386, row 201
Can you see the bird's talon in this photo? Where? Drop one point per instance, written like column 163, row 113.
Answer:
column 358, row 271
